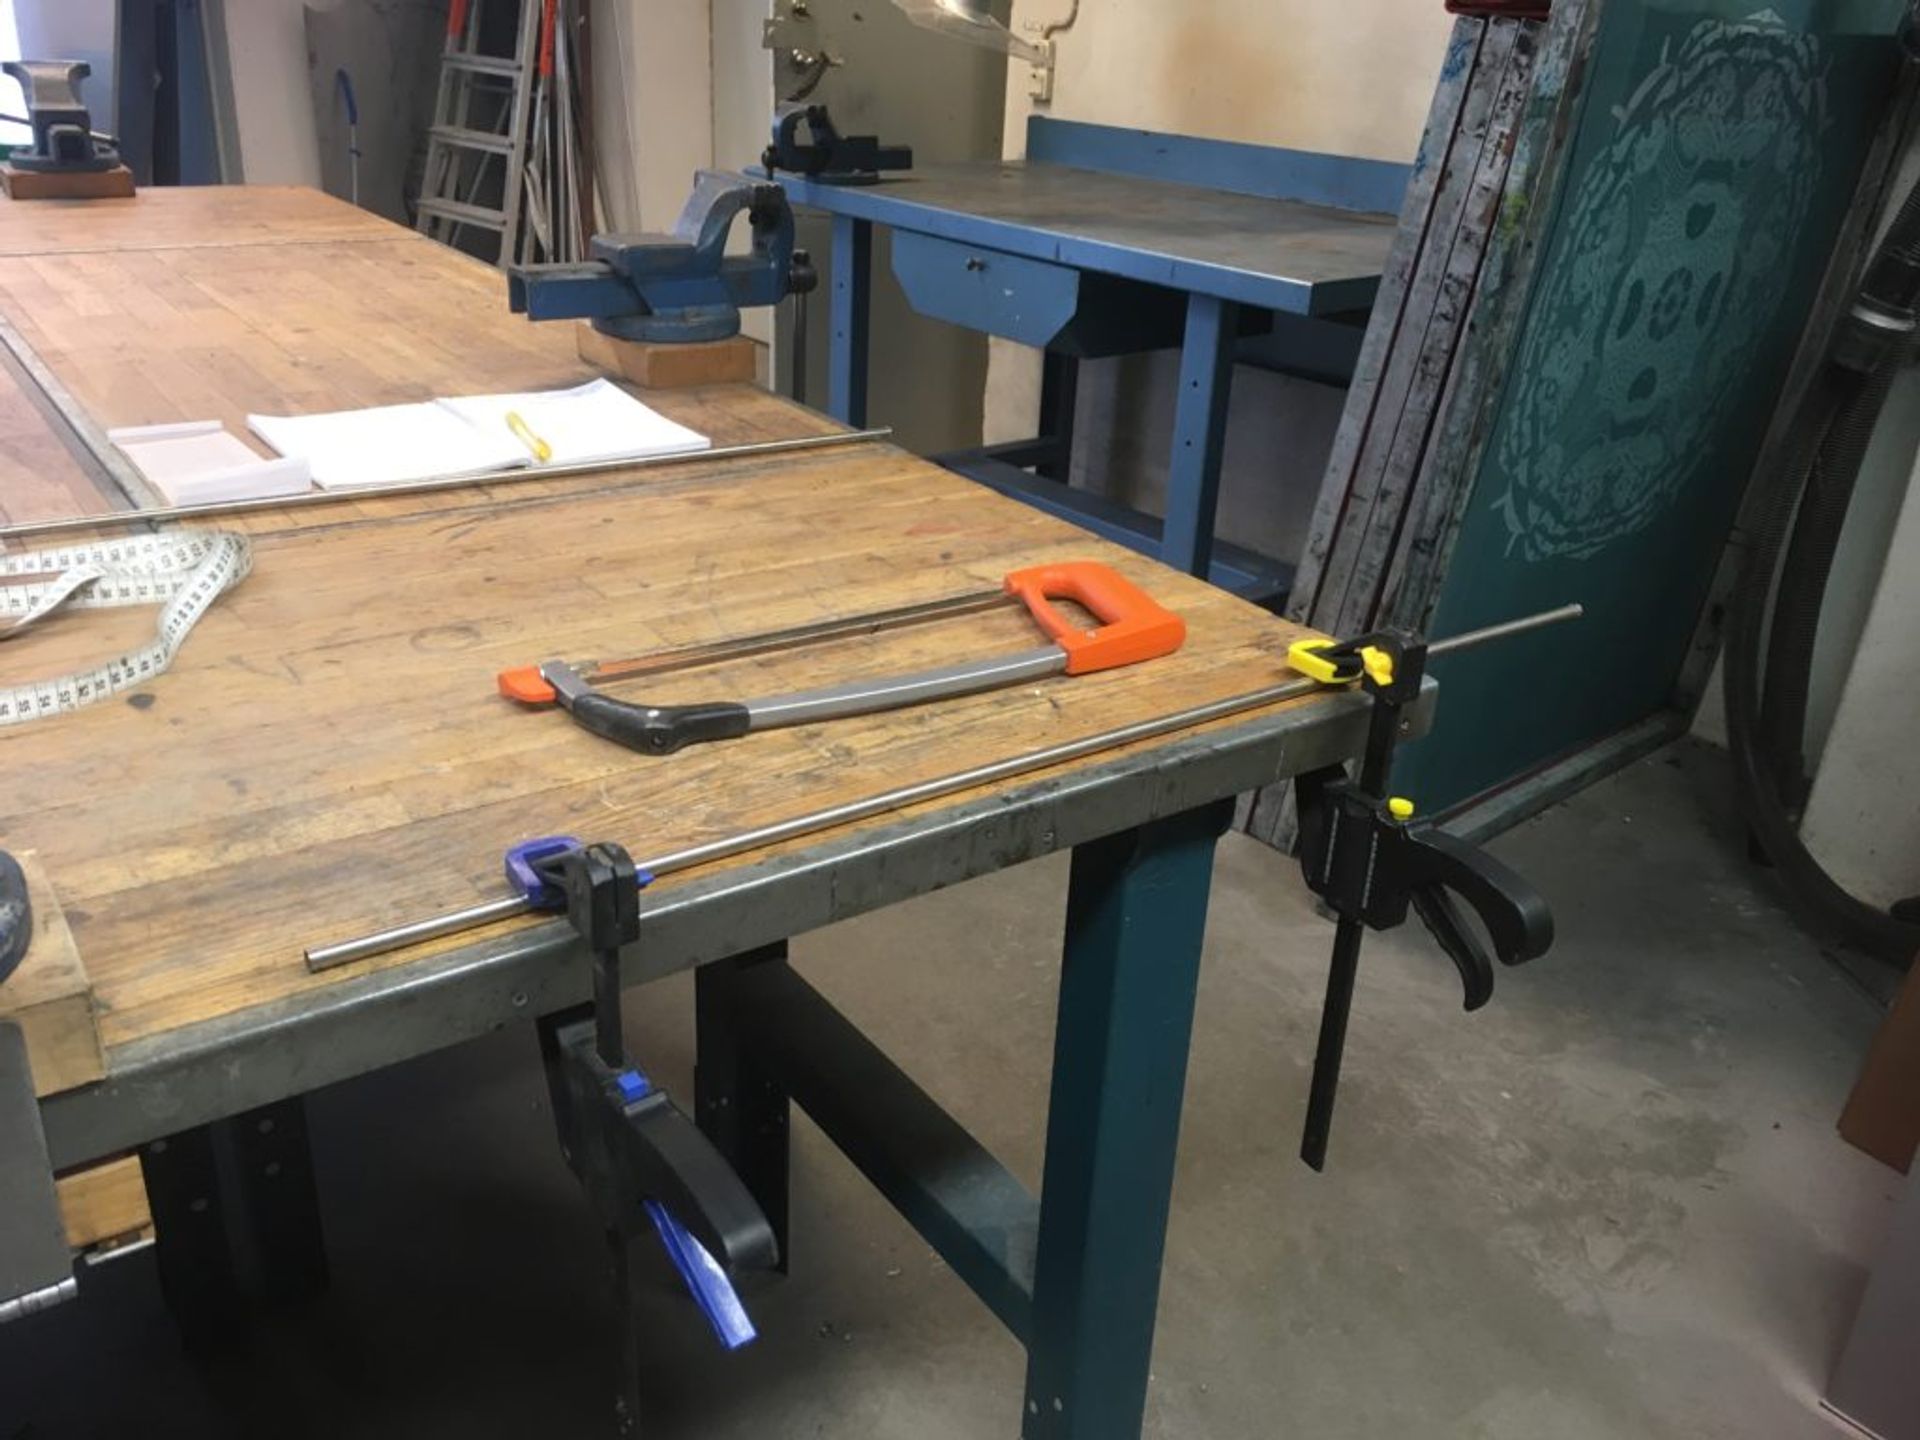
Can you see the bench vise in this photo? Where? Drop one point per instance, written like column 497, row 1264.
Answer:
column 64, row 141
column 829, row 157
column 681, row 287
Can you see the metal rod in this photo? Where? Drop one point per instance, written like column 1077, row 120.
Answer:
column 326, row 957
column 444, row 482
column 91, row 134
column 1506, row 629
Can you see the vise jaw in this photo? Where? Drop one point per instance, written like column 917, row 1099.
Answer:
column 679, row 287
column 63, row 138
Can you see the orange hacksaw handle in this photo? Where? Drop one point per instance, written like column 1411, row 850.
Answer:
column 526, row 684
column 1133, row 625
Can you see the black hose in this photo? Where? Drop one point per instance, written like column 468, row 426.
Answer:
column 1802, row 591
column 1888, row 291
column 1766, row 738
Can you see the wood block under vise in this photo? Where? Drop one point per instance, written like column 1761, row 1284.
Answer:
column 105, row 1203
column 113, row 184
column 659, row 365
column 49, row 996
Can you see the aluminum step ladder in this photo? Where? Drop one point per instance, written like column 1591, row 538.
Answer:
column 476, row 148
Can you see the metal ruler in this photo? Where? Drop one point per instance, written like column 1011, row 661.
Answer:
column 181, row 573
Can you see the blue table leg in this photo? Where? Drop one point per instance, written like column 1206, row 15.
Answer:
column 1136, row 914
column 1199, row 432
column 852, row 302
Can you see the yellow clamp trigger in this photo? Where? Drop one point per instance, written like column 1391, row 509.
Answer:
column 1400, row 807
column 1305, row 656
column 1378, row 664
column 1309, row 658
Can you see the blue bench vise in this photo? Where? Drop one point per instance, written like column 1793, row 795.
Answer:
column 682, row 287
column 63, row 138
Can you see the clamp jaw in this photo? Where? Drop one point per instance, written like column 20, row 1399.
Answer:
column 681, row 287
column 63, row 138
column 1363, row 854
column 646, row 1168
column 16, row 915
column 831, row 158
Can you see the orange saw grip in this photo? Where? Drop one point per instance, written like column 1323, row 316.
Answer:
column 1133, row 626
column 526, row 684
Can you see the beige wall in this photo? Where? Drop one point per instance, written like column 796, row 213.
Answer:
column 653, row 106
column 272, row 94
column 1348, row 76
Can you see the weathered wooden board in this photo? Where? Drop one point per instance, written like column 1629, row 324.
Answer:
column 1454, row 241
column 17, row 184
column 329, row 754
column 1389, row 312
column 198, row 217
column 1459, row 269
column 150, row 336
column 40, row 479
column 658, row 366
column 104, row 1202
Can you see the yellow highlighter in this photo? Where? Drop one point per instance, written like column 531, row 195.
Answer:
column 542, row 451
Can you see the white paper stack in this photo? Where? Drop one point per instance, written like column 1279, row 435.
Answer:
column 392, row 444
column 196, row 462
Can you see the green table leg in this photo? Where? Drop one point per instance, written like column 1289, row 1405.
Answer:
column 1136, row 915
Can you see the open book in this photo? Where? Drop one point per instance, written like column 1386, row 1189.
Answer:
column 391, row 444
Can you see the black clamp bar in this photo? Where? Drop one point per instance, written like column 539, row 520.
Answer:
column 645, row 1166
column 1365, row 857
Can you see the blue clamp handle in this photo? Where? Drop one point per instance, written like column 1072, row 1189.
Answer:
column 706, row 1281
column 523, row 871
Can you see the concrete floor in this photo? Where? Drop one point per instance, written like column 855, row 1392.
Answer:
column 1612, row 1206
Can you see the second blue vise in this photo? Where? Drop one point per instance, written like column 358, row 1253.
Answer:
column 682, row 286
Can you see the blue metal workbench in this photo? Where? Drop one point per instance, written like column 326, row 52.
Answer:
column 1107, row 242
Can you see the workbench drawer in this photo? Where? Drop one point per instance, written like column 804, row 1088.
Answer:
column 1036, row 302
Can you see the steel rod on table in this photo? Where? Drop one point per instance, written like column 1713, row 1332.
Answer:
column 326, row 957
column 443, row 482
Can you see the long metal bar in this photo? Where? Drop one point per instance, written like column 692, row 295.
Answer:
column 445, row 482
column 326, row 957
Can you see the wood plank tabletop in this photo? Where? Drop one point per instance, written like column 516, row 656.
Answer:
column 194, row 217
column 328, row 754
column 40, row 478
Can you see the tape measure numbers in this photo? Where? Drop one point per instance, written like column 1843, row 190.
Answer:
column 182, row 573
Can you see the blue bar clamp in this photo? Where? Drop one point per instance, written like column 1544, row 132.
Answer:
column 646, row 1167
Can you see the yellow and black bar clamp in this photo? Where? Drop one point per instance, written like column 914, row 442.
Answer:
column 1364, row 855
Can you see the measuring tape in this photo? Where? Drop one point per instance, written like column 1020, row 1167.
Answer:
column 184, row 573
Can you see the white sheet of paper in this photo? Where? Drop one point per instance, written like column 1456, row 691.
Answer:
column 388, row 445
column 195, row 462
column 591, row 422
column 391, row 444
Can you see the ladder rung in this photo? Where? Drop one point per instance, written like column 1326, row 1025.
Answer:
column 480, row 64
column 463, row 214
column 467, row 139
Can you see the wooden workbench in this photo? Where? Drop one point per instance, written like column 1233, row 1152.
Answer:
column 328, row 754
